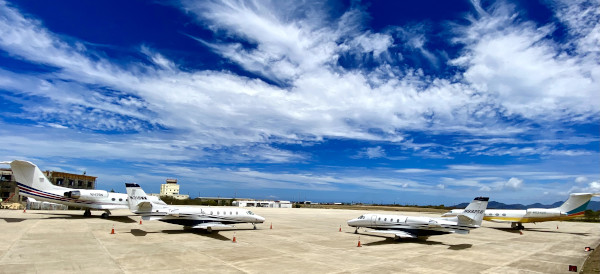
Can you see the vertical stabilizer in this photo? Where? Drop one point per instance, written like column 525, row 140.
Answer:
column 474, row 212
column 30, row 175
column 576, row 204
column 137, row 198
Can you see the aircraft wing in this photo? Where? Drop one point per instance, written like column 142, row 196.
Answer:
column 207, row 225
column 499, row 220
column 398, row 233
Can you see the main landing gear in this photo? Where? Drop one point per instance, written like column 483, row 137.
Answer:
column 254, row 225
column 518, row 226
column 88, row 213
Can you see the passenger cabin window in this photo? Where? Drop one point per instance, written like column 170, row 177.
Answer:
column 120, row 199
column 379, row 219
column 385, row 219
column 113, row 199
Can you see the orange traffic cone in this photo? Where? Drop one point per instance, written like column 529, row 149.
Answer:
column 340, row 228
column 359, row 245
column 112, row 231
column 521, row 232
column 25, row 210
column 271, row 226
column 140, row 220
column 556, row 226
column 234, row 238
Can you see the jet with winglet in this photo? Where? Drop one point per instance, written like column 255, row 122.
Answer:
column 32, row 183
column 413, row 227
column 575, row 206
column 205, row 218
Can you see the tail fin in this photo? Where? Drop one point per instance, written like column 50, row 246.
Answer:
column 30, row 175
column 577, row 203
column 137, row 199
column 473, row 213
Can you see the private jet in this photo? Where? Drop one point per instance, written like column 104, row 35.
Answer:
column 575, row 206
column 33, row 183
column 205, row 218
column 413, row 227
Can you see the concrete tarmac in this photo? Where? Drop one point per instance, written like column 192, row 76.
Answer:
column 302, row 240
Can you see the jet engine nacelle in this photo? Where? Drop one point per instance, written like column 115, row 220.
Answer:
column 86, row 194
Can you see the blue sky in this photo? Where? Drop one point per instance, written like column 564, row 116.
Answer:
column 409, row 102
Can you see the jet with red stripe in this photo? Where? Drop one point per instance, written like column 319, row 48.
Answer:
column 33, row 183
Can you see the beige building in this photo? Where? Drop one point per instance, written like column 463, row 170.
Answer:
column 171, row 188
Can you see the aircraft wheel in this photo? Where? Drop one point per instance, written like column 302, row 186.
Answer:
column 87, row 213
column 209, row 230
column 104, row 215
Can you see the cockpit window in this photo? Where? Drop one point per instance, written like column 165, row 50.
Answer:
column 249, row 213
column 361, row 217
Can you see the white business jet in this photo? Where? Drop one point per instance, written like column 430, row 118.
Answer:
column 413, row 227
column 191, row 217
column 574, row 207
column 34, row 184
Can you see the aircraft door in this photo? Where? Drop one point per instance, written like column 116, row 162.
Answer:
column 373, row 219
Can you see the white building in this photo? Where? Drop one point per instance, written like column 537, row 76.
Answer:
column 277, row 204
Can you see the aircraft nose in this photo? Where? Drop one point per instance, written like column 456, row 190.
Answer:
column 260, row 219
column 353, row 222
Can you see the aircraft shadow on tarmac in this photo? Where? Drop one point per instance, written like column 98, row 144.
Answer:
column 542, row 230
column 13, row 220
column 214, row 234
column 121, row 219
column 389, row 240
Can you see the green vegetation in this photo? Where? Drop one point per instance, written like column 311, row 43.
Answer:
column 172, row 201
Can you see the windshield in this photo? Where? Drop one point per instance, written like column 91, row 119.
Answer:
column 249, row 212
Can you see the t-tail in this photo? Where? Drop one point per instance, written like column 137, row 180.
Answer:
column 137, row 199
column 28, row 174
column 142, row 204
column 474, row 212
column 576, row 204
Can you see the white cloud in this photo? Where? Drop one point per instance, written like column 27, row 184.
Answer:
column 581, row 179
column 514, row 184
column 372, row 152
column 524, row 72
column 511, row 67
column 594, row 187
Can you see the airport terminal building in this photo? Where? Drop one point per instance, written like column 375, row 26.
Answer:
column 277, row 204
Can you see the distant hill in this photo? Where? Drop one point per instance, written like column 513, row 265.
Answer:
column 593, row 205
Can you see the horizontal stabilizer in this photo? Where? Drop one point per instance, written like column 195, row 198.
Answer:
column 398, row 233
